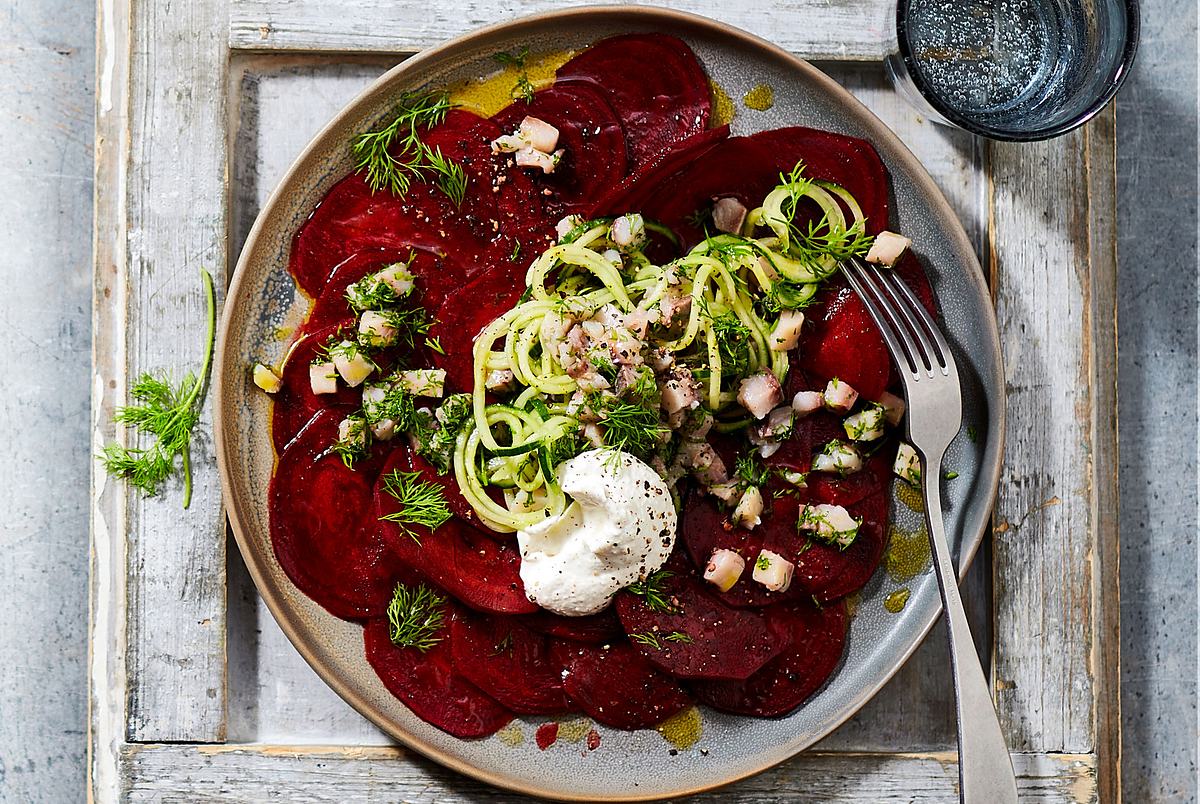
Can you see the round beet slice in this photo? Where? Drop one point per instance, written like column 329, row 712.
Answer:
column 589, row 132
column 429, row 684
column 818, row 637
column 471, row 567
column 655, row 84
column 595, row 629
column 509, row 662
column 464, row 315
column 295, row 403
column 699, row 637
column 616, row 686
column 323, row 525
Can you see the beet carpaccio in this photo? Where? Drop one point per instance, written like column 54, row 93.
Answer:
column 583, row 418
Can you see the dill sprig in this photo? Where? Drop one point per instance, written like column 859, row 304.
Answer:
column 421, row 502
column 393, row 157
column 787, row 296
column 733, row 343
column 749, row 472
column 628, row 427
column 653, row 640
column 167, row 412
column 651, row 589
column 820, row 239
column 416, row 617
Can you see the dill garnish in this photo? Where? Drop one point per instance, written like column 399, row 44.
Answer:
column 652, row 640
column 415, row 617
column 749, row 472
column 167, row 412
column 733, row 343
column 421, row 502
column 393, row 157
column 631, row 428
column 651, row 590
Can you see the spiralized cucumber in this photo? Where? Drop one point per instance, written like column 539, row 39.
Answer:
column 739, row 280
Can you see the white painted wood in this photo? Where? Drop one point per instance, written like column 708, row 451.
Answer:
column 174, row 223
column 1055, row 575
column 312, row 774
column 816, row 29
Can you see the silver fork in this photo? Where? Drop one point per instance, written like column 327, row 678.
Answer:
column 931, row 385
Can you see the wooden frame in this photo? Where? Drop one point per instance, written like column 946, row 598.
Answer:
column 1044, row 220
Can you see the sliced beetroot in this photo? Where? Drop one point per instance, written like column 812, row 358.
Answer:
column 818, row 637
column 717, row 641
column 295, row 403
column 465, row 314
column 840, row 340
column 473, row 568
column 430, row 685
column 435, row 276
column 351, row 218
column 747, row 168
column 631, row 193
column 591, row 136
column 655, row 84
column 828, row 573
column 594, row 629
column 509, row 662
column 616, row 686
column 323, row 525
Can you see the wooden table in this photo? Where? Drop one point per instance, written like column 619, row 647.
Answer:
column 196, row 695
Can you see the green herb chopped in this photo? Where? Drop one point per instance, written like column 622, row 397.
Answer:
column 416, row 617
column 422, row 502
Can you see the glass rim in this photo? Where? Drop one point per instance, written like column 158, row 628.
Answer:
column 1122, row 68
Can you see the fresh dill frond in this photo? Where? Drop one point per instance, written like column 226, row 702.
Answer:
column 652, row 590
column 436, row 433
column 822, row 239
column 653, row 640
column 750, row 472
column 733, row 343
column 700, row 218
column 409, row 324
column 787, row 296
column 416, row 617
column 505, row 645
column 169, row 414
column 565, row 447
column 435, row 344
column 397, row 406
column 516, row 252
column 422, row 502
column 523, row 90
column 369, row 293
column 514, row 59
column 628, row 427
column 393, row 157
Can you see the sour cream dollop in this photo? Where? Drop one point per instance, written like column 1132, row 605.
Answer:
column 619, row 528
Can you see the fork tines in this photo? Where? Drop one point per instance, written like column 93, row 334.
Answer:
column 911, row 334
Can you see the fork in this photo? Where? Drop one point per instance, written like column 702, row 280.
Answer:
column 934, row 396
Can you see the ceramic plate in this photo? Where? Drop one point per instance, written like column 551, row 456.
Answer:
column 637, row 765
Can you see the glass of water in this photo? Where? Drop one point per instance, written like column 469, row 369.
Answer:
column 1013, row 69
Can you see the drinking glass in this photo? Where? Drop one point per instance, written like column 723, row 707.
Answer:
column 1013, row 69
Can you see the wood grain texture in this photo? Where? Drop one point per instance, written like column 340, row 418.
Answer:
column 313, row 774
column 817, row 29
column 175, row 223
column 1055, row 547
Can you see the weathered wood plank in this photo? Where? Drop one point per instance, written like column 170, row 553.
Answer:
column 106, row 625
column 817, row 29
column 175, row 223
column 1055, row 548
column 311, row 774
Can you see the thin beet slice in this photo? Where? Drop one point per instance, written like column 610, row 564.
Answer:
column 595, row 629
column 717, row 642
column 589, row 132
column 747, row 168
column 465, row 314
column 430, row 685
column 323, row 525
column 818, row 637
column 295, row 403
column 616, row 686
column 655, row 84
column 631, row 193
column 840, row 340
column 435, row 276
column 473, row 568
column 509, row 662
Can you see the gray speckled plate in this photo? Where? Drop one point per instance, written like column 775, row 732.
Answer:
column 637, row 765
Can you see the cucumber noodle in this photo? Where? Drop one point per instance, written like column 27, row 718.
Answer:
column 507, row 446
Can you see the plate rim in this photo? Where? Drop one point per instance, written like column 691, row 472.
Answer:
column 991, row 461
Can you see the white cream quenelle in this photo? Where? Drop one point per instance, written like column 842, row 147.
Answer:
column 620, row 527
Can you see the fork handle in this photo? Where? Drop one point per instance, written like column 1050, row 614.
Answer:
column 985, row 772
